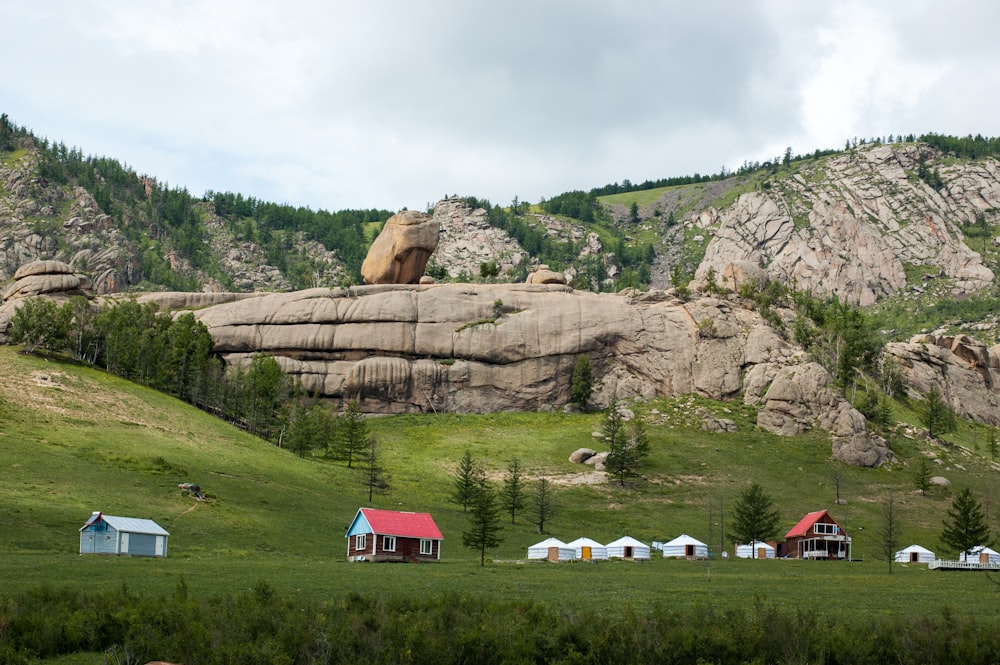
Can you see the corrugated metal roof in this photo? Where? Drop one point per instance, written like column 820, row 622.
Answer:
column 129, row 524
column 400, row 523
column 802, row 528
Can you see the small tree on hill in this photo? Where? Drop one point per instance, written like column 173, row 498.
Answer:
column 512, row 494
column 922, row 476
column 936, row 415
column 485, row 526
column 543, row 503
column 627, row 443
column 966, row 525
column 889, row 531
column 581, row 386
column 374, row 475
column 755, row 519
column 467, row 478
column 350, row 433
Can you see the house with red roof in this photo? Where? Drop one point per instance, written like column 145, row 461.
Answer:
column 393, row 535
column 817, row 536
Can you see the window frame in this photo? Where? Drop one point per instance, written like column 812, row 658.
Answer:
column 388, row 543
column 426, row 546
column 361, row 541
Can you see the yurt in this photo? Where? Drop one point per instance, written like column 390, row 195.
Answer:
column 685, row 547
column 981, row 554
column 587, row 549
column 914, row 554
column 755, row 550
column 551, row 549
column 627, row 547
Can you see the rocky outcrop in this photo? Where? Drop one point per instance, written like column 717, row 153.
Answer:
column 51, row 279
column 544, row 275
column 964, row 371
column 846, row 226
column 802, row 397
column 400, row 252
column 483, row 348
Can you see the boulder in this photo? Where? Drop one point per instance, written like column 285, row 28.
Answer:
column 940, row 481
column 400, row 253
column 543, row 275
column 581, row 455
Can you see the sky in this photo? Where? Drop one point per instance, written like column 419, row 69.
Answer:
column 396, row 104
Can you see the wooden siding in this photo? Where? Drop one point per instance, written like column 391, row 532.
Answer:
column 406, row 549
column 817, row 544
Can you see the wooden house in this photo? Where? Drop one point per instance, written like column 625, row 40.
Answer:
column 393, row 535
column 817, row 536
column 107, row 534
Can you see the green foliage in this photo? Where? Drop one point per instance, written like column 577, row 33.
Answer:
column 374, row 475
column 351, row 433
column 484, row 520
column 513, row 492
column 581, row 384
column 583, row 206
column 39, row 323
column 311, row 428
column 627, row 441
column 842, row 338
column 543, row 503
column 922, row 476
column 890, row 531
column 468, row 477
column 936, row 415
column 755, row 517
column 966, row 526
column 488, row 271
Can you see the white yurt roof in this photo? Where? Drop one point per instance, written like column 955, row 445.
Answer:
column 748, row 550
column 981, row 549
column 541, row 550
column 684, row 539
column 549, row 542
column 584, row 542
column 627, row 541
column 915, row 548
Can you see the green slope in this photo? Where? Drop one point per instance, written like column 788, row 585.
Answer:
column 74, row 440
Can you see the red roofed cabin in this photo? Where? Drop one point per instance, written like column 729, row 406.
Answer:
column 817, row 536
column 393, row 535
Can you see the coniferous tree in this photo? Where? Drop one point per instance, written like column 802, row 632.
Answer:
column 468, row 475
column 889, row 531
column 350, row 433
column 581, row 386
column 936, row 415
column 485, row 526
column 628, row 444
column 966, row 525
column 922, row 476
column 755, row 517
column 374, row 474
column 512, row 494
column 543, row 503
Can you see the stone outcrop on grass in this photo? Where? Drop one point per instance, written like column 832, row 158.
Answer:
column 400, row 253
column 512, row 347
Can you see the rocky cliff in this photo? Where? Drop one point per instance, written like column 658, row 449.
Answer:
column 480, row 348
column 849, row 225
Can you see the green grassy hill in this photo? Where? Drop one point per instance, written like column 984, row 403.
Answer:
column 74, row 440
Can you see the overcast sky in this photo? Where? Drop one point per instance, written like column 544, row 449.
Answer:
column 397, row 103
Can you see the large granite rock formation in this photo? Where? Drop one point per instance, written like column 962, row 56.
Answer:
column 482, row 348
column 52, row 279
column 848, row 226
column 964, row 371
column 400, row 253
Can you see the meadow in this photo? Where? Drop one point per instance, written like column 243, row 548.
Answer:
column 74, row 440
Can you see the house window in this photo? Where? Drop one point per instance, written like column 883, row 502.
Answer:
column 389, row 543
column 821, row 527
column 360, row 541
column 426, row 546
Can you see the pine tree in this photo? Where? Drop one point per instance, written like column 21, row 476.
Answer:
column 937, row 415
column 543, row 503
column 350, row 433
column 889, row 531
column 374, row 475
column 966, row 525
column 628, row 444
column 467, row 478
column 922, row 476
column 581, row 386
column 755, row 519
column 485, row 526
column 512, row 493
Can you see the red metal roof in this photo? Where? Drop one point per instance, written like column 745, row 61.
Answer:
column 802, row 528
column 399, row 523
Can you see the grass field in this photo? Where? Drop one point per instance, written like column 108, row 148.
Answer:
column 74, row 440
